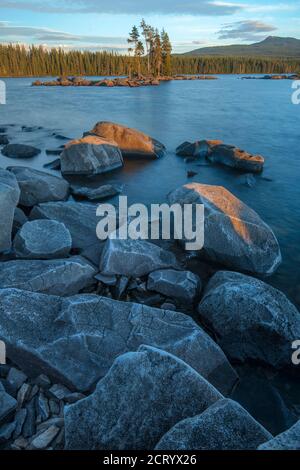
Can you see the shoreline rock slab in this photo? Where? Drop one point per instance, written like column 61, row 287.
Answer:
column 43, row 239
column 141, row 397
column 95, row 194
column 223, row 426
column 183, row 286
column 132, row 143
column 288, row 440
column 57, row 277
column 20, row 151
column 231, row 156
column 75, row 340
column 90, row 155
column 9, row 198
column 235, row 235
column 38, row 186
column 252, row 320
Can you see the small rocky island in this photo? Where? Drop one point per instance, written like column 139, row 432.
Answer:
column 129, row 332
column 295, row 76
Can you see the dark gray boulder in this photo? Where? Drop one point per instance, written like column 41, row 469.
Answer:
column 43, row 239
column 90, row 155
column 4, row 140
column 20, row 218
column 95, row 194
column 7, row 404
column 234, row 157
column 251, row 319
column 58, row 277
column 234, row 235
column 76, row 340
column 223, row 426
column 183, row 286
column 198, row 149
column 9, row 198
column 134, row 258
column 141, row 397
column 38, row 187
column 20, row 151
column 289, row 440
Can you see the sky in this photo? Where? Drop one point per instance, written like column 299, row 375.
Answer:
column 104, row 24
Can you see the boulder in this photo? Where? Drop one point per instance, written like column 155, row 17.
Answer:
column 90, row 155
column 131, row 142
column 58, row 277
column 75, row 340
column 183, row 286
column 4, row 140
column 20, row 151
column 7, row 404
column 141, row 397
column 95, row 194
column 252, row 320
column 234, row 157
column 43, row 239
column 198, row 149
column 223, row 426
column 235, row 235
column 9, row 198
column 134, row 258
column 38, row 186
column 289, row 440
column 19, row 220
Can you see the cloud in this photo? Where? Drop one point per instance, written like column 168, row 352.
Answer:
column 136, row 7
column 245, row 30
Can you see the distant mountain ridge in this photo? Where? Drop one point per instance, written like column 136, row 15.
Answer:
column 272, row 46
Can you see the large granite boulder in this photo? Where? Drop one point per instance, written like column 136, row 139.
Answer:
column 288, row 440
column 252, row 320
column 20, row 151
column 183, row 286
column 131, row 142
column 9, row 198
column 134, row 258
column 81, row 221
column 90, row 155
column 38, row 187
column 43, row 239
column 141, row 397
column 223, row 426
column 235, row 235
column 76, row 340
column 234, row 157
column 58, row 277
column 198, row 149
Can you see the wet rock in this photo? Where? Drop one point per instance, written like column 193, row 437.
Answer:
column 38, row 187
column 9, row 198
column 289, row 440
column 95, row 194
column 234, row 235
column 90, row 155
column 234, row 157
column 76, row 340
column 198, row 149
column 58, row 277
column 19, row 220
column 6, row 432
column 43, row 239
column 223, row 426
column 54, row 165
column 7, row 404
column 248, row 180
column 132, row 142
column 251, row 319
column 43, row 440
column 140, row 404
column 134, row 258
column 4, row 140
column 191, row 174
column 180, row 285
column 20, row 151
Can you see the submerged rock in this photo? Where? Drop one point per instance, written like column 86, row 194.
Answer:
column 289, row 440
column 251, row 319
column 75, row 340
column 58, row 277
column 198, row 149
column 20, row 151
column 141, row 397
column 132, row 142
column 134, row 258
column 43, row 239
column 90, row 155
column 223, row 426
column 235, row 235
column 38, row 187
column 236, row 158
column 183, row 286
column 9, row 198
column 94, row 194
column 4, row 140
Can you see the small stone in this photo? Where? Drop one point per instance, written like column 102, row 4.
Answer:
column 16, row 377
column 33, row 392
column 59, row 391
column 43, row 381
column 43, row 440
column 20, row 418
column 43, row 407
column 121, row 287
column 21, row 442
column 58, row 422
column 23, row 394
column 191, row 174
column 6, row 432
column 74, row 397
column 94, row 194
column 107, row 279
column 3, row 140
column 169, row 306
column 54, row 407
column 30, row 422
column 20, row 151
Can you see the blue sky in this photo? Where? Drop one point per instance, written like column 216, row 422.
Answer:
column 104, row 24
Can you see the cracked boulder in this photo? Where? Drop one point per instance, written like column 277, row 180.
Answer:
column 183, row 286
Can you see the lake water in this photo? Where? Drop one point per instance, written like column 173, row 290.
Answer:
column 256, row 115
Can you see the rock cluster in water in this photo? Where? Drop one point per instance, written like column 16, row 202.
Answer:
column 122, row 331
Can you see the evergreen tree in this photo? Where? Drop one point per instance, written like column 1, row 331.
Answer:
column 166, row 53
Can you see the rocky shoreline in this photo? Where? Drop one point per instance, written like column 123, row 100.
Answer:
column 105, row 332
column 274, row 77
